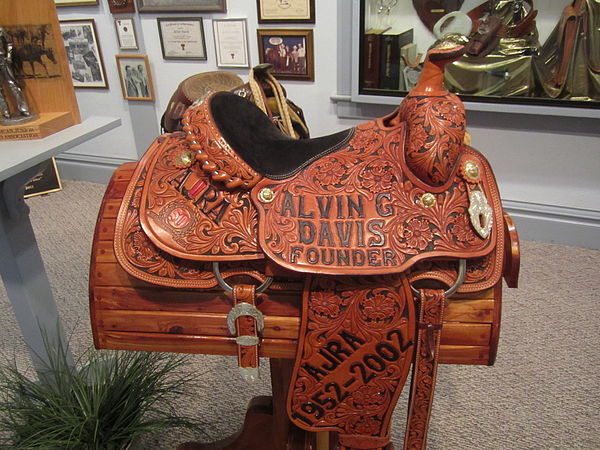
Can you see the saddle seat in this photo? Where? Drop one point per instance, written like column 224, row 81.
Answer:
column 260, row 144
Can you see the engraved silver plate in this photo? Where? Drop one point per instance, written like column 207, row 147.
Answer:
column 481, row 213
column 244, row 309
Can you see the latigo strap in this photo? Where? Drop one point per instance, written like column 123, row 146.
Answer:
column 431, row 313
column 245, row 321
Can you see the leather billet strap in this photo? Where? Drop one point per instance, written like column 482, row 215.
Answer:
column 354, row 353
column 246, row 321
column 429, row 331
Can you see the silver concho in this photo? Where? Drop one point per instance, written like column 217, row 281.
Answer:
column 480, row 212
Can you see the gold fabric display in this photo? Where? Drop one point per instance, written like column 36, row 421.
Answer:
column 568, row 65
column 505, row 68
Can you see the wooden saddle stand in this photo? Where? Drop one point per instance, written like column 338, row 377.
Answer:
column 345, row 259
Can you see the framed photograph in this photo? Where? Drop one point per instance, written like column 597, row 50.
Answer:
column 134, row 74
column 286, row 11
column 75, row 2
column 126, row 34
column 182, row 38
column 83, row 53
column 289, row 51
column 121, row 6
column 231, row 42
column 181, row 5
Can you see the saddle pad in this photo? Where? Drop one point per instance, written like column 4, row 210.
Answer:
column 360, row 210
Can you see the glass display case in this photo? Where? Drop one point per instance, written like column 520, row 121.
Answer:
column 530, row 52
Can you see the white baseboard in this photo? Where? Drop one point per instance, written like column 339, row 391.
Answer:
column 535, row 222
column 557, row 224
column 97, row 169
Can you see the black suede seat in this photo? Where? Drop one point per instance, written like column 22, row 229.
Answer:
column 260, row 143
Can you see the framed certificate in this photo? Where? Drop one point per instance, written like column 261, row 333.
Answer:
column 126, row 34
column 75, row 2
column 231, row 42
column 286, row 11
column 182, row 38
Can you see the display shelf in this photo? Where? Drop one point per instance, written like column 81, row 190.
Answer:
column 21, row 267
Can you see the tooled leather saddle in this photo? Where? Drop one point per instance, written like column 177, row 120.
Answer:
column 382, row 222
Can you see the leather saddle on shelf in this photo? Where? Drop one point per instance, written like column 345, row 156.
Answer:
column 380, row 224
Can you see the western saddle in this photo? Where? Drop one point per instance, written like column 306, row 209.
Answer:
column 380, row 224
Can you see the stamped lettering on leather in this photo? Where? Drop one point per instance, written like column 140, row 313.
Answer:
column 360, row 210
column 355, row 354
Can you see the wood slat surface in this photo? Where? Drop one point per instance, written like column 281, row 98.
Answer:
column 150, row 298
column 276, row 327
column 269, row 348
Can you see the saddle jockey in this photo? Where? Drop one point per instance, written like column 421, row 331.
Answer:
column 7, row 76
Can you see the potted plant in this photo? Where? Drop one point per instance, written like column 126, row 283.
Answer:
column 104, row 403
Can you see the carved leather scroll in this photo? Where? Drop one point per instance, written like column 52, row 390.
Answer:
column 354, row 354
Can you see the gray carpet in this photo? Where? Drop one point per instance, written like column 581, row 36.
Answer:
column 543, row 392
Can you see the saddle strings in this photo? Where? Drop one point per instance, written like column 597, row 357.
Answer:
column 279, row 98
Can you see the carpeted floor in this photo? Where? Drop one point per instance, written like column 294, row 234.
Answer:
column 543, row 392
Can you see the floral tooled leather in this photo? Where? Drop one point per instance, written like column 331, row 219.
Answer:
column 142, row 259
column 354, row 354
column 186, row 214
column 359, row 211
column 214, row 154
column 435, row 121
column 435, row 134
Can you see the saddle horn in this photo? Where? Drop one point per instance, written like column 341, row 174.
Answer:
column 435, row 119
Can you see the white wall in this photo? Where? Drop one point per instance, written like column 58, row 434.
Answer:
column 313, row 97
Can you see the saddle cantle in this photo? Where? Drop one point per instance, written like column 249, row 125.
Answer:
column 376, row 221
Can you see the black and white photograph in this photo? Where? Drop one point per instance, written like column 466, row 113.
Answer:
column 135, row 77
column 83, row 53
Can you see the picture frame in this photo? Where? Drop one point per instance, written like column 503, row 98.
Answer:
column 181, row 6
column 84, row 55
column 126, row 35
column 182, row 38
column 60, row 3
column 135, row 77
column 286, row 11
column 47, row 181
column 231, row 42
column 121, row 6
column 289, row 51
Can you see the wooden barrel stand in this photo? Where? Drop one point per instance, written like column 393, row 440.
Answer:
column 130, row 314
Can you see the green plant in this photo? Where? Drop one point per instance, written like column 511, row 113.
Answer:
column 105, row 403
